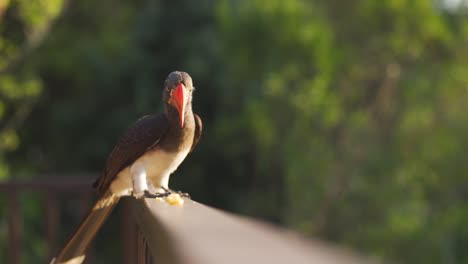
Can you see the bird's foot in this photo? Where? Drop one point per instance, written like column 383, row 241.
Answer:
column 138, row 195
column 182, row 194
column 148, row 194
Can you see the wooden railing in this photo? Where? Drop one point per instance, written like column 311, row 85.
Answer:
column 51, row 190
column 198, row 234
column 192, row 233
column 48, row 189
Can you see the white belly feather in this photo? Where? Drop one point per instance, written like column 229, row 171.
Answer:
column 153, row 168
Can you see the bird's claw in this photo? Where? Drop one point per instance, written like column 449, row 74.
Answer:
column 182, row 194
column 148, row 194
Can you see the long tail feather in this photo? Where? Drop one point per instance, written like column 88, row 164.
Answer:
column 74, row 250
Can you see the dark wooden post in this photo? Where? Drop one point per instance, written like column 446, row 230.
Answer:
column 15, row 227
column 52, row 222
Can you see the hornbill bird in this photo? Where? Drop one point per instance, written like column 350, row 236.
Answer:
column 142, row 161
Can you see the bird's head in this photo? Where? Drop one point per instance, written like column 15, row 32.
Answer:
column 177, row 93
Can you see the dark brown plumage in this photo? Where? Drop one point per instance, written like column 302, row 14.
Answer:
column 171, row 133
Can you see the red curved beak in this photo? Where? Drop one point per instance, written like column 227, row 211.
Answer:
column 178, row 98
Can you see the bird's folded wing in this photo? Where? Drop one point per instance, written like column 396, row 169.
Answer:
column 142, row 136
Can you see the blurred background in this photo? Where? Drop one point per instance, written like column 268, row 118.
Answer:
column 343, row 120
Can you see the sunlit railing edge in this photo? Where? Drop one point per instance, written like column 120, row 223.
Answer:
column 195, row 233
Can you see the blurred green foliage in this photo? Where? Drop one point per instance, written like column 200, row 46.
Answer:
column 344, row 120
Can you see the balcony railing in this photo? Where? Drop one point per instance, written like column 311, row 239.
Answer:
column 51, row 190
column 192, row 233
column 198, row 234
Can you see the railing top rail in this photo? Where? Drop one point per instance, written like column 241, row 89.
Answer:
column 196, row 233
column 78, row 184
